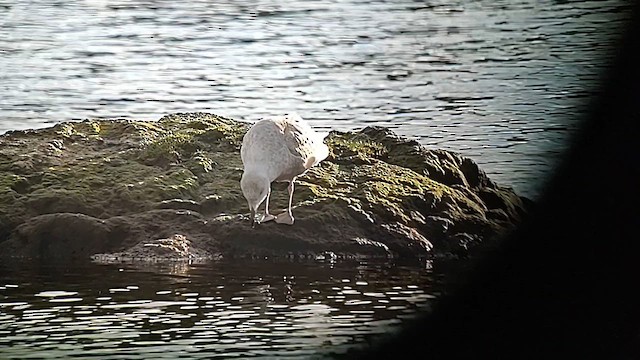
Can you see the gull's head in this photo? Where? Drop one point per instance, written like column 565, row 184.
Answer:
column 255, row 189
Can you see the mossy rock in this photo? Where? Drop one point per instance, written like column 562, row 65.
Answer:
column 377, row 194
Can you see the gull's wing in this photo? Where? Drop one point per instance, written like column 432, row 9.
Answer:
column 304, row 142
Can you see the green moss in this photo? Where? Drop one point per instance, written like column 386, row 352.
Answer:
column 11, row 182
column 189, row 140
column 200, row 163
column 355, row 144
column 66, row 130
column 78, row 130
column 95, row 127
column 178, row 183
column 169, row 148
column 233, row 133
column 381, row 188
column 45, row 201
column 111, row 168
column 220, row 128
column 118, row 187
column 224, row 180
column 151, row 128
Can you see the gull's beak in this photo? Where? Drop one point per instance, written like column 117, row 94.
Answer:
column 253, row 218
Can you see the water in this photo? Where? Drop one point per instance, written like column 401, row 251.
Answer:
column 503, row 82
column 214, row 310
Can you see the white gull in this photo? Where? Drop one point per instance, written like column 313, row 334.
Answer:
column 279, row 148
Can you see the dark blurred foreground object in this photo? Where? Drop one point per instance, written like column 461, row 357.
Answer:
column 565, row 285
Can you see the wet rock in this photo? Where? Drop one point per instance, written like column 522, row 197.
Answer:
column 170, row 190
column 463, row 242
column 59, row 236
column 175, row 247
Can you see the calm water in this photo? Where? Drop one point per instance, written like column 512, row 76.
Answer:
column 226, row 310
column 501, row 81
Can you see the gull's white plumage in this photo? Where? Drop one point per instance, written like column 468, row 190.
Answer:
column 280, row 148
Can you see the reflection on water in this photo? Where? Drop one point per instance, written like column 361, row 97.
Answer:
column 219, row 309
column 501, row 81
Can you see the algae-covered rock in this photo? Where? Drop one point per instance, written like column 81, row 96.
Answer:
column 170, row 189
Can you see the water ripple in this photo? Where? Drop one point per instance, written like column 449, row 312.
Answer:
column 257, row 309
column 342, row 64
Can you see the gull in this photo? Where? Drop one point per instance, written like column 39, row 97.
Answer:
column 278, row 148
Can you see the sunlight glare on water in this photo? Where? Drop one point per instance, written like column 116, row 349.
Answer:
column 502, row 82
column 219, row 309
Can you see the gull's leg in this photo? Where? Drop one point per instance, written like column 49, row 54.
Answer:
column 253, row 218
column 267, row 216
column 287, row 217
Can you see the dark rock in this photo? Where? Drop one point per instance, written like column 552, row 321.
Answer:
column 462, row 243
column 175, row 247
column 170, row 189
column 61, row 235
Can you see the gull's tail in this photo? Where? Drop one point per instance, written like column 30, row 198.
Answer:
column 321, row 152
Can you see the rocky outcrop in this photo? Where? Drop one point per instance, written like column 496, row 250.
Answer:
column 122, row 189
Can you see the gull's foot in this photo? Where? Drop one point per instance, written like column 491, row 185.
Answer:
column 267, row 217
column 284, row 218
